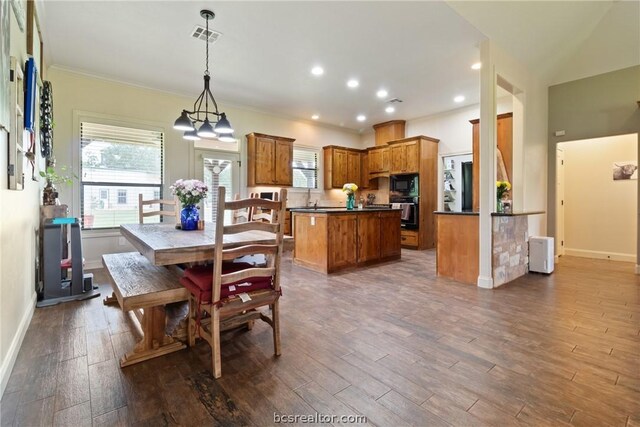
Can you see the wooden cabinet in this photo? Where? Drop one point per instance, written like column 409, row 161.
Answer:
column 389, row 131
column 504, row 137
column 409, row 238
column 269, row 160
column 287, row 223
column 378, row 161
column 335, row 241
column 341, row 166
column 405, row 158
column 366, row 181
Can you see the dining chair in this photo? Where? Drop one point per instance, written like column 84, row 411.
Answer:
column 242, row 215
column 231, row 293
column 264, row 215
column 161, row 212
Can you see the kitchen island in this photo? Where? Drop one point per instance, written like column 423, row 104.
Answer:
column 330, row 239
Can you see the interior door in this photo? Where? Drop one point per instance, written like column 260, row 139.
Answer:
column 218, row 169
column 559, row 202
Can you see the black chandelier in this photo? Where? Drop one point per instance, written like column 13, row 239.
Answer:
column 189, row 119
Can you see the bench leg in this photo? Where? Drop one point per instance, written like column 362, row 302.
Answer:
column 110, row 299
column 155, row 342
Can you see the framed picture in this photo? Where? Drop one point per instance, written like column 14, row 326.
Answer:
column 625, row 170
column 5, row 32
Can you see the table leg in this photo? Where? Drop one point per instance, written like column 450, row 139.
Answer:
column 154, row 342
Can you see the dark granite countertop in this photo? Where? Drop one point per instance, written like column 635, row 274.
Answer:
column 455, row 213
column 323, row 210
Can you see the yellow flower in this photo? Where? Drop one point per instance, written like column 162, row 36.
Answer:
column 349, row 188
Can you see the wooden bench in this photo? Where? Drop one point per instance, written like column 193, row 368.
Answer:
column 145, row 289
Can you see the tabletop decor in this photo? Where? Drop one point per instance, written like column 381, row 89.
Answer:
column 350, row 189
column 53, row 177
column 502, row 187
column 190, row 192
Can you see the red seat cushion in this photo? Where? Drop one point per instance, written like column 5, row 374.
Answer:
column 199, row 281
column 66, row 263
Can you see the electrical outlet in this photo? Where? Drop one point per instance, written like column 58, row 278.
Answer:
column 313, row 220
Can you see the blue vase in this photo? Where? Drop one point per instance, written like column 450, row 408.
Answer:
column 189, row 217
column 351, row 200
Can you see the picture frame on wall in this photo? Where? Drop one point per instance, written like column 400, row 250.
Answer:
column 20, row 12
column 5, row 47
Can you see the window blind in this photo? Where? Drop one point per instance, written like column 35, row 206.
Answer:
column 305, row 167
column 118, row 163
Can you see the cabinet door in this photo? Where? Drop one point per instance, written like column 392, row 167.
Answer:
column 389, row 234
column 339, row 172
column 283, row 167
column 368, row 236
column 353, row 168
column 398, row 159
column 364, row 171
column 375, row 161
column 412, row 157
column 342, row 241
column 265, row 161
column 384, row 160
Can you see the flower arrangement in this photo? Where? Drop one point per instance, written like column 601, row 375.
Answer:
column 350, row 189
column 502, row 188
column 189, row 191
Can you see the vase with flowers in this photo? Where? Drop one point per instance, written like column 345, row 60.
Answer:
column 502, row 188
column 190, row 192
column 350, row 190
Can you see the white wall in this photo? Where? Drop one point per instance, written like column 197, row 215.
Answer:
column 125, row 103
column 19, row 221
column 600, row 213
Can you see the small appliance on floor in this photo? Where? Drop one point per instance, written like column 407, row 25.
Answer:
column 57, row 286
column 541, row 254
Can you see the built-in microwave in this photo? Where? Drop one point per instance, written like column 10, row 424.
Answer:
column 404, row 185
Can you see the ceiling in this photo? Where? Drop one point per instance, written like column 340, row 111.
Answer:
column 421, row 52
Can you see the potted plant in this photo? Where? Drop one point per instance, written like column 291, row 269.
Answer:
column 53, row 177
column 502, row 188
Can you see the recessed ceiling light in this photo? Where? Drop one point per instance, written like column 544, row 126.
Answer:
column 382, row 93
column 476, row 66
column 317, row 70
column 315, row 117
column 458, row 98
column 353, row 83
column 390, row 109
column 361, row 118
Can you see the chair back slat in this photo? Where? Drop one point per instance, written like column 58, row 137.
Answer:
column 229, row 254
column 242, row 215
column 161, row 212
column 252, row 203
column 246, row 274
column 251, row 226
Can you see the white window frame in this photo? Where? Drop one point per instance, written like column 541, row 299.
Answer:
column 80, row 116
column 320, row 188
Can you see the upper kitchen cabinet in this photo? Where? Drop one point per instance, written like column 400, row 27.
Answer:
column 389, row 131
column 378, row 161
column 269, row 158
column 405, row 156
column 504, row 154
column 341, row 166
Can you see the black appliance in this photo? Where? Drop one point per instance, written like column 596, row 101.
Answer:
column 404, row 185
column 409, row 217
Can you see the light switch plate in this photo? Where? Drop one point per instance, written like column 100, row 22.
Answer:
column 313, row 220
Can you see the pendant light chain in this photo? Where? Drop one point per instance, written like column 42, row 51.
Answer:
column 207, row 49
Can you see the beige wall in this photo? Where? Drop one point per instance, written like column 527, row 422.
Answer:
column 19, row 221
column 125, row 103
column 600, row 213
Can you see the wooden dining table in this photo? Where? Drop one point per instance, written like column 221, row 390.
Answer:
column 146, row 289
column 163, row 244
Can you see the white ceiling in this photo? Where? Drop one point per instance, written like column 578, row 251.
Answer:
column 420, row 52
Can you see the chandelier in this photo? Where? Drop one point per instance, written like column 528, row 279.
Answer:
column 189, row 119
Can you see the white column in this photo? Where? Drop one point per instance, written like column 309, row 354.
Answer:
column 487, row 187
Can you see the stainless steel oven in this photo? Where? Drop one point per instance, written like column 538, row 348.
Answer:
column 409, row 216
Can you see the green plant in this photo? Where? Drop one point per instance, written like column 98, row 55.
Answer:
column 61, row 177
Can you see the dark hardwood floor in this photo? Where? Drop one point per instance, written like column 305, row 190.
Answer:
column 391, row 342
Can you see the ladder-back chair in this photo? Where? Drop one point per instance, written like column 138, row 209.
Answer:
column 232, row 293
column 162, row 211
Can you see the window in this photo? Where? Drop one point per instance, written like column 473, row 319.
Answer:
column 156, row 194
column 305, row 167
column 122, row 197
column 116, row 162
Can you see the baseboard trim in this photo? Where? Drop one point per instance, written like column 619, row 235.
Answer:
column 16, row 343
column 485, row 282
column 612, row 256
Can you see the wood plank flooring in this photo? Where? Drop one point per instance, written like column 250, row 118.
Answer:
column 392, row 342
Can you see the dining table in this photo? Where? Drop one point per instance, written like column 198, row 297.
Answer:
column 163, row 245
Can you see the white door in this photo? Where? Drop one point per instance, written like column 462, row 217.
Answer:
column 218, row 169
column 559, row 202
